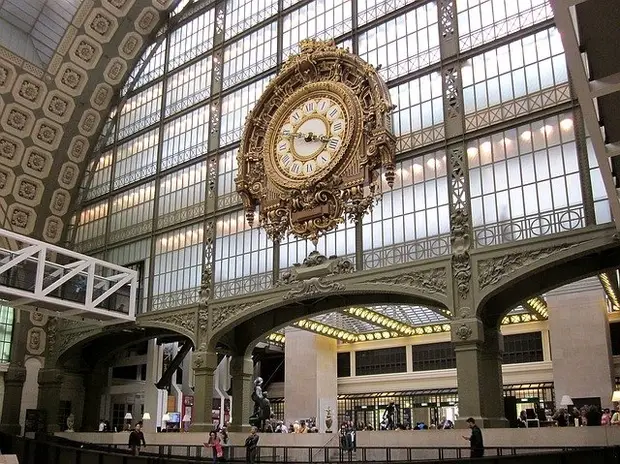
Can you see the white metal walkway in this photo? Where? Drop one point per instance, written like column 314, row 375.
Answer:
column 37, row 276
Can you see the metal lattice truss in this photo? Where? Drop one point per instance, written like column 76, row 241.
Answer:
column 588, row 91
column 381, row 322
column 37, row 276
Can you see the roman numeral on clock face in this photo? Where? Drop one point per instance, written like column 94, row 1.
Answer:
column 338, row 126
column 323, row 158
column 282, row 146
column 296, row 167
column 333, row 143
column 286, row 160
column 324, row 105
column 296, row 116
column 333, row 112
column 309, row 107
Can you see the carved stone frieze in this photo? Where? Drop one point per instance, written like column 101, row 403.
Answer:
column 431, row 280
column 184, row 320
column 464, row 332
column 222, row 313
column 203, row 326
column 36, row 341
column 320, row 266
column 68, row 339
column 313, row 286
column 465, row 312
column 52, row 331
column 461, row 268
column 492, row 271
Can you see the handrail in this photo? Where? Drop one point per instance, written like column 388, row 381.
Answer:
column 269, row 453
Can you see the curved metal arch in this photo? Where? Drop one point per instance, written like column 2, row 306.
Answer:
column 173, row 328
column 575, row 262
column 250, row 326
column 124, row 335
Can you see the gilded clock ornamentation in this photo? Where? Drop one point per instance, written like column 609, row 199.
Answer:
column 315, row 143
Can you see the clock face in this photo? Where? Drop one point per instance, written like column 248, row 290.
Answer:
column 311, row 137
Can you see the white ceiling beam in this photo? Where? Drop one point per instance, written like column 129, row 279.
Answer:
column 605, row 85
column 581, row 86
column 612, row 149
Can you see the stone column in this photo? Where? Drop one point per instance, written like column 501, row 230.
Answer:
column 95, row 384
column 204, row 364
column 154, row 366
column 311, row 377
column 73, row 390
column 50, row 381
column 14, row 379
column 479, row 373
column 242, row 373
column 580, row 344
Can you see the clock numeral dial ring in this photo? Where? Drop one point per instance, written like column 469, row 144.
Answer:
column 311, row 132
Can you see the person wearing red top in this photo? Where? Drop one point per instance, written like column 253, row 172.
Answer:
column 216, row 445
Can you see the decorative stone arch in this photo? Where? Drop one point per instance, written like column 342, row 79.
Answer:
column 506, row 279
column 182, row 322
column 253, row 321
column 84, row 356
column 119, row 337
column 321, row 288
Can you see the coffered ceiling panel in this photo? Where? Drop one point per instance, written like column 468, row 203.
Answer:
column 32, row 29
column 53, row 100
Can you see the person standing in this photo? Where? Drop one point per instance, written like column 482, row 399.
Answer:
column 251, row 446
column 475, row 439
column 216, row 444
column 136, row 437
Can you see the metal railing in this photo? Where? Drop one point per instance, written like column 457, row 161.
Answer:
column 51, row 450
column 334, row 454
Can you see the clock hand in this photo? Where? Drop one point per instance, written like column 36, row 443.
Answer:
column 309, row 137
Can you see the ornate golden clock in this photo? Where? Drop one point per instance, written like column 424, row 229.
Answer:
column 315, row 144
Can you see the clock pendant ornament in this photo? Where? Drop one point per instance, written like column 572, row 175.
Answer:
column 316, row 144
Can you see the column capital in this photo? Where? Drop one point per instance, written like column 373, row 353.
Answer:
column 467, row 331
column 242, row 366
column 204, row 362
column 51, row 376
column 16, row 374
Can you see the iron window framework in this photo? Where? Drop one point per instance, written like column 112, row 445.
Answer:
column 343, row 363
column 523, row 348
column 380, row 14
column 381, row 361
column 433, row 356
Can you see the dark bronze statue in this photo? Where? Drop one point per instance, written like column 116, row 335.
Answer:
column 389, row 416
column 262, row 406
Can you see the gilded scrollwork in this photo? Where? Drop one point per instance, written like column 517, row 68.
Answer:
column 492, row 271
column 310, row 207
